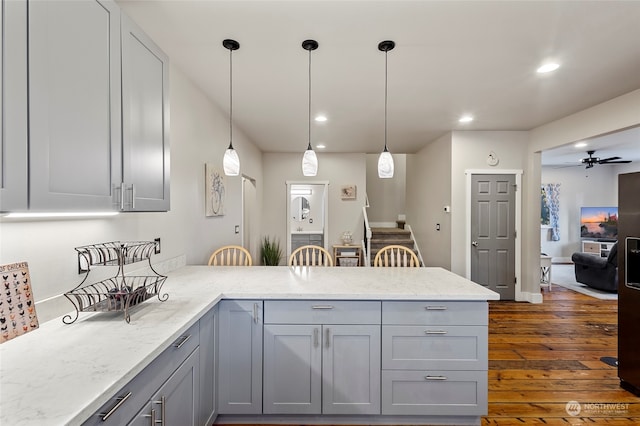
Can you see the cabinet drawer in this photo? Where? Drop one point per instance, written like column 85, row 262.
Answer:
column 321, row 312
column 440, row 347
column 122, row 407
column 434, row 392
column 434, row 312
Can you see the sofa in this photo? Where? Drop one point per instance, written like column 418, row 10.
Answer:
column 597, row 272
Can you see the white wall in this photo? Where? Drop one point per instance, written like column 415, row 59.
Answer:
column 337, row 169
column 578, row 188
column 428, row 191
column 199, row 133
column 386, row 196
column 470, row 151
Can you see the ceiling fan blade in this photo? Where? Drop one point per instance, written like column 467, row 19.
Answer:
column 615, row 162
column 606, row 160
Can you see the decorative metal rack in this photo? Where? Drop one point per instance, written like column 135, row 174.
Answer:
column 119, row 293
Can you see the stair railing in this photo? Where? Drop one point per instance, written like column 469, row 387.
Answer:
column 415, row 244
column 366, row 242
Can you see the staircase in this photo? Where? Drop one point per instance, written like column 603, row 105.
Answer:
column 381, row 237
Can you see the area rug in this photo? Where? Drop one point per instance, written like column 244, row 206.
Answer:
column 564, row 276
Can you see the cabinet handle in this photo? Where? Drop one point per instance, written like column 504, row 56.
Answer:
column 255, row 313
column 327, row 336
column 121, row 400
column 183, row 340
column 162, row 409
column 435, row 308
column 153, row 417
column 121, row 195
column 315, row 337
column 435, row 332
column 321, row 307
column 435, row 377
column 133, row 196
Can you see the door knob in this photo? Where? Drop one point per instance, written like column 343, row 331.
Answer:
column 474, row 243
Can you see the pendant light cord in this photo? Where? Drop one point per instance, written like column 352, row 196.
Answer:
column 385, row 99
column 309, row 146
column 230, row 98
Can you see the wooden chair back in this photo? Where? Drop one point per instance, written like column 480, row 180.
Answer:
column 310, row 256
column 396, row 255
column 231, row 256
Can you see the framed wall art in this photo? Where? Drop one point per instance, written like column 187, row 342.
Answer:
column 214, row 190
column 348, row 192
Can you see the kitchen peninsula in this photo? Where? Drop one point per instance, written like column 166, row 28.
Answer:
column 67, row 374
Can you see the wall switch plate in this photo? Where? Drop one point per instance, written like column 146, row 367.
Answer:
column 157, row 240
column 437, row 226
column 237, row 229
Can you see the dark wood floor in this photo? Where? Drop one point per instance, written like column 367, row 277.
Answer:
column 542, row 356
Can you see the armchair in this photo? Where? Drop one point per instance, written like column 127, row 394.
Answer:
column 597, row 272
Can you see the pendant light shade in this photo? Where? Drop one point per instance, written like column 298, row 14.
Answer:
column 385, row 161
column 231, row 161
column 309, row 160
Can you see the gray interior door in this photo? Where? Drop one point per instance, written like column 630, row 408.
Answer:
column 493, row 233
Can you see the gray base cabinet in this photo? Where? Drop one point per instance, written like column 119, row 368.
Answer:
column 434, row 358
column 208, row 367
column 240, row 357
column 174, row 373
column 315, row 364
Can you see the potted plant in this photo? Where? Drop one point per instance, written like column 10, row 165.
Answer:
column 270, row 252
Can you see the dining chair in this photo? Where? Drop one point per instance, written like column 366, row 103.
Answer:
column 396, row 255
column 231, row 256
column 310, row 255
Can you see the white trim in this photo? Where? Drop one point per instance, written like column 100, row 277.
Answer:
column 519, row 294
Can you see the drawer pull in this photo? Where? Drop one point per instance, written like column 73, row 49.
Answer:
column 121, row 400
column 435, row 332
column 435, row 377
column 255, row 312
column 182, row 341
column 322, row 307
column 435, row 308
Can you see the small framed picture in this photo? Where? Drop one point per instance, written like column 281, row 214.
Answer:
column 348, row 192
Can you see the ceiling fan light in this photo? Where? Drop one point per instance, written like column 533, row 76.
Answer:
column 309, row 163
column 231, row 162
column 385, row 165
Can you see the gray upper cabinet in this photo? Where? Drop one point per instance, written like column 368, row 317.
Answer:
column 13, row 95
column 240, row 357
column 74, row 104
column 145, row 122
column 92, row 131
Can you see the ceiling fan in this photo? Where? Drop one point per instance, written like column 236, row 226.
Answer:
column 590, row 161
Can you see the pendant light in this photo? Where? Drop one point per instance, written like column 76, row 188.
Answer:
column 309, row 160
column 385, row 161
column 231, row 162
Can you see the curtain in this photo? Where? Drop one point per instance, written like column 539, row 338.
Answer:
column 552, row 192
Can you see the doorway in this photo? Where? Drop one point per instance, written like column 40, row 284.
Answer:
column 307, row 214
column 249, row 234
column 493, row 216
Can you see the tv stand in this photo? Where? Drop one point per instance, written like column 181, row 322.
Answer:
column 597, row 247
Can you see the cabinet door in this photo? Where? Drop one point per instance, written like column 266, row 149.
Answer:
column 351, row 369
column 74, row 104
column 13, row 96
column 240, row 357
column 176, row 402
column 145, row 122
column 292, row 369
column 208, row 347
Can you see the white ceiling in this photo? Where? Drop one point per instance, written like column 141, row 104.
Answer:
column 451, row 58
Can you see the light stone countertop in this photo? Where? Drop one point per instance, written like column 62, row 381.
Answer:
column 61, row 374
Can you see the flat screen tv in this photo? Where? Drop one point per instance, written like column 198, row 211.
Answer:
column 599, row 223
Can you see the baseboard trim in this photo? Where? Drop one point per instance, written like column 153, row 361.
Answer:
column 347, row 419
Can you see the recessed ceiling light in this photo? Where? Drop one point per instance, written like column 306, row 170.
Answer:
column 321, row 118
column 321, row 146
column 466, row 119
column 580, row 145
column 548, row 67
